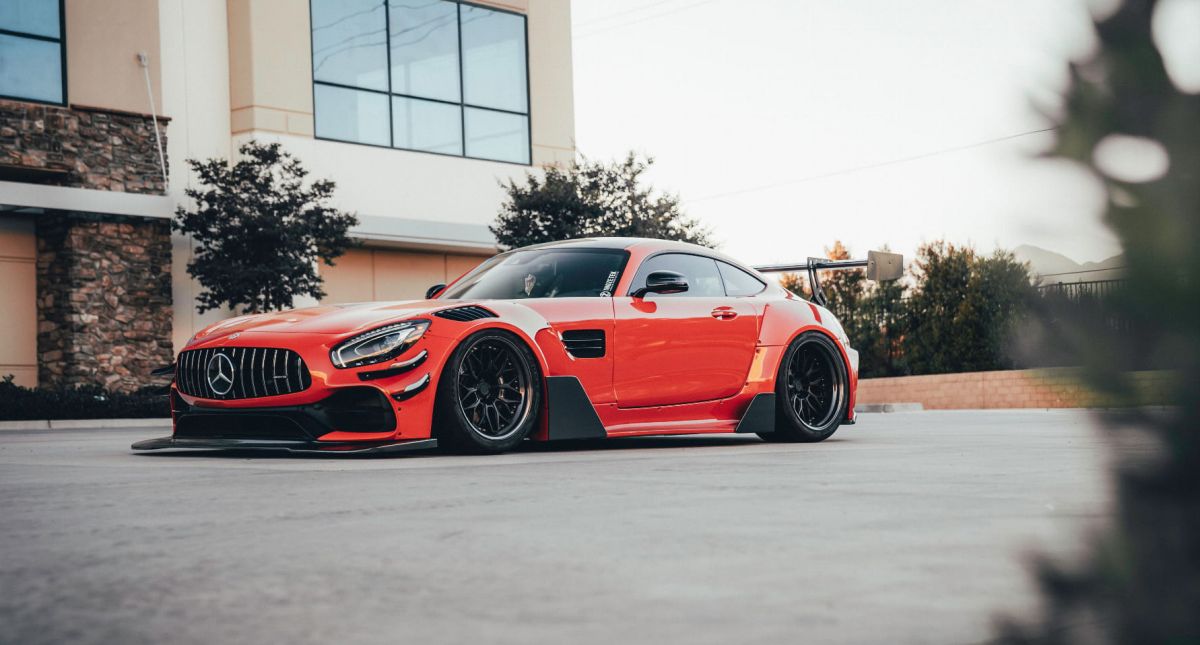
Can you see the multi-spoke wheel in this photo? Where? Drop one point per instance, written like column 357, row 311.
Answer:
column 490, row 393
column 811, row 390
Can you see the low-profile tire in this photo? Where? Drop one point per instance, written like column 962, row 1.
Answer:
column 812, row 390
column 489, row 395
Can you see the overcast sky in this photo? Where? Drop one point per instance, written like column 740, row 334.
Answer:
column 783, row 123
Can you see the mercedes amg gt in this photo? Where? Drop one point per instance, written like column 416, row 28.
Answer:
column 583, row 339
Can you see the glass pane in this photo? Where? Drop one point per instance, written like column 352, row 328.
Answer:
column 551, row 273
column 30, row 16
column 424, row 41
column 494, row 59
column 703, row 279
column 425, row 125
column 350, row 115
column 497, row 135
column 350, row 42
column 738, row 282
column 30, row 69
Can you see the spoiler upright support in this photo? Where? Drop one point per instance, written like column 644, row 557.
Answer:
column 880, row 265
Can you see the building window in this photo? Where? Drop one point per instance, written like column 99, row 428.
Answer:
column 31, row 51
column 435, row 76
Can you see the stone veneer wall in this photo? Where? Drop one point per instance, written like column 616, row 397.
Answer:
column 104, row 299
column 89, row 147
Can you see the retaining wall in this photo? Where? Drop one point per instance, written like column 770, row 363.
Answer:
column 1045, row 388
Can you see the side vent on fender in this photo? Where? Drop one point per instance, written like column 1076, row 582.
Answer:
column 584, row 343
column 465, row 314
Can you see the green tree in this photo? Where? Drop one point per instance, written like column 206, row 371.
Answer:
column 1139, row 581
column 880, row 342
column 999, row 299
column 259, row 230
column 964, row 309
column 592, row 199
column 935, row 342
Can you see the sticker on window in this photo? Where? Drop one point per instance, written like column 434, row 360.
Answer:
column 609, row 284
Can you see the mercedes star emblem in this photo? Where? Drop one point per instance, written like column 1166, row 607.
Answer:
column 220, row 374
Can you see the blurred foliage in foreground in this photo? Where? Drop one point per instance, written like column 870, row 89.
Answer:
column 1140, row 579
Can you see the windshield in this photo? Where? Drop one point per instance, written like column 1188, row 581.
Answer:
column 547, row 273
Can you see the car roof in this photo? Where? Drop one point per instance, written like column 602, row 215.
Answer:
column 647, row 246
column 626, row 243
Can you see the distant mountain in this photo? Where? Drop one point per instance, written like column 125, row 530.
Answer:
column 1055, row 267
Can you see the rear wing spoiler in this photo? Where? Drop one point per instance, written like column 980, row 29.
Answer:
column 880, row 265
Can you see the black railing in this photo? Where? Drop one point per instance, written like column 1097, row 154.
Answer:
column 1075, row 291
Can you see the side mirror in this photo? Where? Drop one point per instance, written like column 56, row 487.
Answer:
column 883, row 267
column 663, row 282
column 433, row 291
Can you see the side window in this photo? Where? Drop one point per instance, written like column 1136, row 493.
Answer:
column 738, row 282
column 704, row 279
column 31, row 51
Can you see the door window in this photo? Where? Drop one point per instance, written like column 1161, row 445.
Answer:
column 703, row 277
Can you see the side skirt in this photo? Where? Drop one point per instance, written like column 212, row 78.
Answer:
column 571, row 413
column 760, row 415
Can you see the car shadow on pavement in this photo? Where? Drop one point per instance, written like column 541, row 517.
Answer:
column 617, row 443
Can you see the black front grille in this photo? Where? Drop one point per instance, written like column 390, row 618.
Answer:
column 584, row 343
column 249, row 372
column 464, row 314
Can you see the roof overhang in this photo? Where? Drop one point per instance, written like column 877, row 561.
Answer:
column 373, row 230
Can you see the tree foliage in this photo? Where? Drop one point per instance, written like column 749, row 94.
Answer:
column 592, row 199
column 259, row 230
column 964, row 309
column 958, row 316
column 1140, row 579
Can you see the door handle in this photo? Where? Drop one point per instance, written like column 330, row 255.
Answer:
column 724, row 313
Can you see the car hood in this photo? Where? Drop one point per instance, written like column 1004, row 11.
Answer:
column 329, row 319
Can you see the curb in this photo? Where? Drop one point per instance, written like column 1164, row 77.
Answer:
column 888, row 407
column 82, row 424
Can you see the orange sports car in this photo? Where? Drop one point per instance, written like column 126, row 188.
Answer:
column 583, row 339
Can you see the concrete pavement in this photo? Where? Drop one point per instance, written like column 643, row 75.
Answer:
column 906, row 528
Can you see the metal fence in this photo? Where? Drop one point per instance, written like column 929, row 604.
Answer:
column 1075, row 291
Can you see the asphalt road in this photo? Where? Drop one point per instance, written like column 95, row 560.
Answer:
column 906, row 528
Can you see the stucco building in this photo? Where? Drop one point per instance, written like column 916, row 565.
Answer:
column 418, row 109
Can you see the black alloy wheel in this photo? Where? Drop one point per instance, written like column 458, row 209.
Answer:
column 490, row 394
column 811, row 391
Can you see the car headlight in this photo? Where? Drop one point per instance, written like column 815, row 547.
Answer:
column 378, row 345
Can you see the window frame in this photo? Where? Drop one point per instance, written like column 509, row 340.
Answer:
column 762, row 286
column 461, row 103
column 62, row 52
column 639, row 278
column 634, row 286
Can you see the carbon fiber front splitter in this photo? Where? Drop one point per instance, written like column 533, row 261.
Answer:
column 296, row 447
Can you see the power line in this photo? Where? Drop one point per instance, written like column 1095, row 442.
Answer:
column 643, row 19
column 889, row 162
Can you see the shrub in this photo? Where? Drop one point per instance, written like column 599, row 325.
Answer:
column 86, row 402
